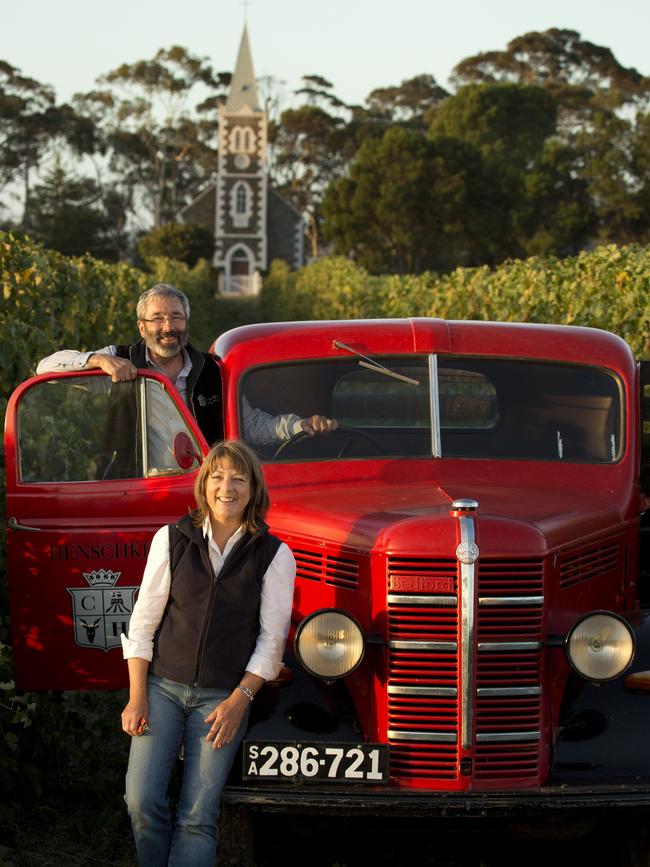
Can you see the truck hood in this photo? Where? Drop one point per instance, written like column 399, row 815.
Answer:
column 416, row 517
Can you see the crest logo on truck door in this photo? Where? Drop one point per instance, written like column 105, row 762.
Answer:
column 101, row 611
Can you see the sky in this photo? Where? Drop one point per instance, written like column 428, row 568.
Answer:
column 358, row 45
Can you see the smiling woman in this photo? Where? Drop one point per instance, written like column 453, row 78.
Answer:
column 198, row 650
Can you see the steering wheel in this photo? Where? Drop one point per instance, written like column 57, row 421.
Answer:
column 343, row 431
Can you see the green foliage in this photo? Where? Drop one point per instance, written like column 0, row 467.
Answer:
column 49, row 301
column 411, row 103
column 606, row 288
column 180, row 241
column 333, row 288
column 507, row 123
column 407, row 204
column 73, row 215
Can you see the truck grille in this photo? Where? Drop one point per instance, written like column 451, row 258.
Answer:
column 423, row 674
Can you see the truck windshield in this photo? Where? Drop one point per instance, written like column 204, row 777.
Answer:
column 482, row 408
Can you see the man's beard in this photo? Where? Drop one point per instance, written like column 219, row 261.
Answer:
column 165, row 350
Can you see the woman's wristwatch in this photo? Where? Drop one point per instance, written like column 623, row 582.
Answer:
column 250, row 695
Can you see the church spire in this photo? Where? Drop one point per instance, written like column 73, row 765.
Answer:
column 243, row 90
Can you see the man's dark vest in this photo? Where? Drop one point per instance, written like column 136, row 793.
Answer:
column 203, row 386
column 210, row 625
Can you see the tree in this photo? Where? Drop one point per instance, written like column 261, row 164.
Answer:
column 179, row 241
column 553, row 214
column 601, row 105
column 73, row 215
column 411, row 103
column 407, row 204
column 161, row 141
column 562, row 62
column 508, row 125
column 310, row 147
column 30, row 125
column 501, row 120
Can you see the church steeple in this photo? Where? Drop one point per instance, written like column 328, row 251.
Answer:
column 243, row 91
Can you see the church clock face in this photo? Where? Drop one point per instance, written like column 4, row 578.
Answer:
column 242, row 161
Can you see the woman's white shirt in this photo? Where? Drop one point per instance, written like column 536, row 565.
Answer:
column 275, row 603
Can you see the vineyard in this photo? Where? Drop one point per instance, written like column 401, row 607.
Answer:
column 608, row 288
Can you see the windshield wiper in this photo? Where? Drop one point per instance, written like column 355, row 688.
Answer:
column 374, row 365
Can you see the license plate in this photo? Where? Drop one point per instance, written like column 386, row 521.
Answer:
column 322, row 762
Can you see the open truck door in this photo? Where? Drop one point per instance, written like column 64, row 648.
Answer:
column 93, row 469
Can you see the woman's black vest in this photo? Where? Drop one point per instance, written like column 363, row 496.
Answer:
column 210, row 625
column 203, row 386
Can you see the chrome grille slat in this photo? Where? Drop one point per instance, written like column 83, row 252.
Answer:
column 490, row 691
column 511, row 600
column 502, row 737
column 502, row 646
column 449, row 646
column 430, row 737
column 442, row 691
column 410, row 599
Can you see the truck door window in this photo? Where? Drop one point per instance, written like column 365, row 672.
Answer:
column 84, row 429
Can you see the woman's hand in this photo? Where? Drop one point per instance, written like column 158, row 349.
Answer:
column 134, row 716
column 226, row 718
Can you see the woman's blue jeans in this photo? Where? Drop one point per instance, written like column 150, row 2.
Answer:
column 186, row 838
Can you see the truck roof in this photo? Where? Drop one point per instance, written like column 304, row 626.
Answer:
column 282, row 341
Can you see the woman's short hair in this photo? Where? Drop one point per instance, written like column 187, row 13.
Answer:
column 161, row 290
column 244, row 460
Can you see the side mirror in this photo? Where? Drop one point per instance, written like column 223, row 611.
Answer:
column 184, row 451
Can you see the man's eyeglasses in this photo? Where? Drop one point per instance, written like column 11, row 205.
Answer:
column 174, row 319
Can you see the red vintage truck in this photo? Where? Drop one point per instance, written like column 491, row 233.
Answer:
column 470, row 635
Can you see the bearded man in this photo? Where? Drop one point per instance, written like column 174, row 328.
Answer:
column 163, row 314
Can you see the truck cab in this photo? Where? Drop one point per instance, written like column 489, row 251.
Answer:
column 469, row 635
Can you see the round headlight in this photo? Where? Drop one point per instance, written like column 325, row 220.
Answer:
column 600, row 646
column 329, row 644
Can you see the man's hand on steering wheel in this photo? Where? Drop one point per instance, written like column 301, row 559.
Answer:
column 318, row 424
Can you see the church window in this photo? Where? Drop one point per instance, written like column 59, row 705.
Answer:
column 248, row 143
column 242, row 140
column 241, row 204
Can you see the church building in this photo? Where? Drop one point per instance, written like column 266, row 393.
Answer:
column 251, row 222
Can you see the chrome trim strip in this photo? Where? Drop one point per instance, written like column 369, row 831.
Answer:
column 496, row 646
column 432, row 737
column 489, row 691
column 423, row 645
column 447, row 601
column 511, row 600
column 434, row 399
column 468, row 668
column 144, row 425
column 504, row 737
column 441, row 691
